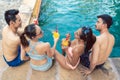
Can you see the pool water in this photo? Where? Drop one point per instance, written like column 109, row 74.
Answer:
column 69, row 15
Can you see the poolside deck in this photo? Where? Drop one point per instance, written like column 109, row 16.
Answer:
column 24, row 72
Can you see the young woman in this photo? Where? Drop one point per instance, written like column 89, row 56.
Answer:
column 78, row 46
column 39, row 52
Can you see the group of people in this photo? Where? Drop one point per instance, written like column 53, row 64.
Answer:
column 89, row 50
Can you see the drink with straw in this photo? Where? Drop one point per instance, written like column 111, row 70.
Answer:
column 66, row 41
column 55, row 33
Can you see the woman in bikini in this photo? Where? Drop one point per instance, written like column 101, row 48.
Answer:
column 81, row 43
column 39, row 52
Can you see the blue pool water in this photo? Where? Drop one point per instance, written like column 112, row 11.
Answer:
column 69, row 15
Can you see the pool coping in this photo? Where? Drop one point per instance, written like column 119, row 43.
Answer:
column 29, row 12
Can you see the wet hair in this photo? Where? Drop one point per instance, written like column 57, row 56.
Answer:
column 88, row 37
column 106, row 19
column 10, row 15
column 30, row 32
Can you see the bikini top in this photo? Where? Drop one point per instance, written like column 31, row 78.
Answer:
column 34, row 54
column 70, row 50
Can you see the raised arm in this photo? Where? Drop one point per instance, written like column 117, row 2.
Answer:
column 94, row 56
column 50, row 51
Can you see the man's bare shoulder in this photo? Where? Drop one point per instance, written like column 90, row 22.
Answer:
column 102, row 37
column 99, row 39
column 9, row 37
column 112, row 37
column 5, row 32
column 97, row 42
column 4, row 29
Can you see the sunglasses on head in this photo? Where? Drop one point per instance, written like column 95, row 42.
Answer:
column 86, row 30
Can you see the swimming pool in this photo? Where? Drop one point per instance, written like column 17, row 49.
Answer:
column 69, row 15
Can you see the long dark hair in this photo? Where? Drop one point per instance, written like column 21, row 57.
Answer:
column 88, row 37
column 29, row 31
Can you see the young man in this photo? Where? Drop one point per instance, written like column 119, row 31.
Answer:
column 103, row 45
column 13, row 53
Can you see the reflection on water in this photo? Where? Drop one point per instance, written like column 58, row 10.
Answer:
column 69, row 15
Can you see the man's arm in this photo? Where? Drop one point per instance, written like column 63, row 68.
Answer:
column 23, row 54
column 94, row 56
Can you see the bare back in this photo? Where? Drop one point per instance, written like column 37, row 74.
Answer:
column 105, row 42
column 10, row 43
column 42, row 49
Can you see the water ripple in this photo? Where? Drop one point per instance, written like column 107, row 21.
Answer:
column 70, row 15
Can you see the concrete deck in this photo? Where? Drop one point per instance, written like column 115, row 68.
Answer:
column 24, row 72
